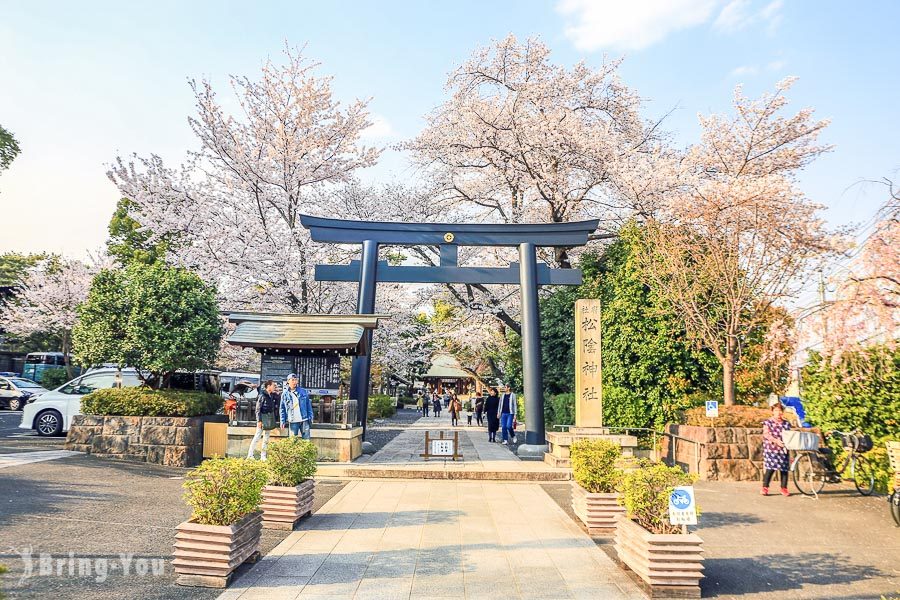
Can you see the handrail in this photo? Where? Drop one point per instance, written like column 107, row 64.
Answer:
column 697, row 445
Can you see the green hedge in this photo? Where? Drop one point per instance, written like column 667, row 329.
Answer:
column 559, row 410
column 594, row 465
column 223, row 490
column 53, row 378
column 861, row 392
column 291, row 461
column 645, row 494
column 381, row 407
column 145, row 402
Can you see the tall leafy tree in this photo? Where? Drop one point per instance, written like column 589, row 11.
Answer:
column 9, row 148
column 129, row 241
column 155, row 318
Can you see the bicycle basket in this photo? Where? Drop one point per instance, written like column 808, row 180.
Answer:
column 859, row 443
column 800, row 440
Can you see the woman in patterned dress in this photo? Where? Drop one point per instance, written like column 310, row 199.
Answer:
column 775, row 455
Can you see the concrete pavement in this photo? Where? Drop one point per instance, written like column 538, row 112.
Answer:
column 381, row 539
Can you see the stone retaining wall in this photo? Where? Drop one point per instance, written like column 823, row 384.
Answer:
column 171, row 441
column 721, row 453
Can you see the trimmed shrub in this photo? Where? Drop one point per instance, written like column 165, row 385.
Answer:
column 53, row 378
column 221, row 491
column 291, row 461
column 381, row 407
column 145, row 402
column 594, row 465
column 645, row 494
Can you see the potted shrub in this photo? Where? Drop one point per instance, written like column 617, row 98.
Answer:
column 667, row 559
column 595, row 488
column 289, row 496
column 225, row 525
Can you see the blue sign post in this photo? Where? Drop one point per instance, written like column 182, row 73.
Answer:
column 682, row 508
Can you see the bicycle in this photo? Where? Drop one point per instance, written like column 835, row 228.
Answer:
column 812, row 469
column 893, row 449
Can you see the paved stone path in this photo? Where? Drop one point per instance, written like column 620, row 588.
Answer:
column 481, row 459
column 381, row 539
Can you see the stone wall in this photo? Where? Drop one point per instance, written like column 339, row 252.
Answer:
column 171, row 441
column 716, row 453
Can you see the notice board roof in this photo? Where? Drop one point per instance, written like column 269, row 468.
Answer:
column 302, row 333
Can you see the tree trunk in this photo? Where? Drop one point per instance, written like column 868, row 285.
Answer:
column 728, row 372
column 65, row 350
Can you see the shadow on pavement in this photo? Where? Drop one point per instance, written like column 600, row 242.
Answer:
column 781, row 572
column 724, row 519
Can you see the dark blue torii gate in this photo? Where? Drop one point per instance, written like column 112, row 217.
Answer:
column 528, row 273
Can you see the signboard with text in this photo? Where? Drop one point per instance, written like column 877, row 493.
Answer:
column 712, row 408
column 320, row 375
column 442, row 447
column 682, row 507
column 588, row 390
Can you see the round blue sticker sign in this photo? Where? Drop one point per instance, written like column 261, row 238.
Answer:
column 680, row 499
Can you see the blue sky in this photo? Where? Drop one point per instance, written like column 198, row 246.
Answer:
column 81, row 83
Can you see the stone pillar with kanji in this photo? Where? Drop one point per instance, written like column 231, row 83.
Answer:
column 588, row 375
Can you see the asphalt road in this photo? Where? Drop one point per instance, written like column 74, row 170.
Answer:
column 840, row 545
column 118, row 517
column 13, row 439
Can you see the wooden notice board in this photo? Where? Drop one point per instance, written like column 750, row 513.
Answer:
column 588, row 385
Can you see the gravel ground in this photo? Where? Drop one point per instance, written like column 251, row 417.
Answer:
column 100, row 510
column 381, row 431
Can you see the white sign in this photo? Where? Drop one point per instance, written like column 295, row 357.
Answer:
column 712, row 408
column 682, row 508
column 442, row 447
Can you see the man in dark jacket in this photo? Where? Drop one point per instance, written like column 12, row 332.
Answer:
column 266, row 419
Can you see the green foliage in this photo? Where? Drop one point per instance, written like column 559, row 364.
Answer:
column 53, row 378
column 846, row 398
column 146, row 402
column 14, row 266
column 594, row 465
column 9, row 148
column 559, row 410
column 381, row 406
column 155, row 318
column 520, row 408
column 291, row 461
column 645, row 494
column 221, row 491
column 127, row 243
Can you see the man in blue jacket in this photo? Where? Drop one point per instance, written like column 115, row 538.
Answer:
column 296, row 408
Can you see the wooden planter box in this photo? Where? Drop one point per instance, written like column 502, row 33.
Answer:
column 670, row 564
column 283, row 506
column 207, row 555
column 598, row 512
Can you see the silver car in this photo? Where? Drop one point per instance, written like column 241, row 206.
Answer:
column 16, row 392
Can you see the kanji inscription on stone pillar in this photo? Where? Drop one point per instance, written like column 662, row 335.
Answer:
column 588, row 386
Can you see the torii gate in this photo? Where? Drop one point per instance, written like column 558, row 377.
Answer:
column 528, row 273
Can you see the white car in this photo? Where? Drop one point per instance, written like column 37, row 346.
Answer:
column 16, row 392
column 52, row 412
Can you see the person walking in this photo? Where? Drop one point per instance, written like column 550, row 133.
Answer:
column 507, row 415
column 419, row 403
column 426, row 402
column 266, row 403
column 775, row 455
column 455, row 408
column 436, row 405
column 492, row 410
column 479, row 409
column 296, row 408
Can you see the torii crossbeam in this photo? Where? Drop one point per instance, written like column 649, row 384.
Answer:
column 448, row 237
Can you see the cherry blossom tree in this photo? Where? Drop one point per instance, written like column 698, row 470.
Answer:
column 231, row 213
column 738, row 235
column 47, row 300
column 867, row 304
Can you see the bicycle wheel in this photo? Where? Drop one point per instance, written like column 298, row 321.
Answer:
column 862, row 475
column 809, row 476
column 894, row 500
